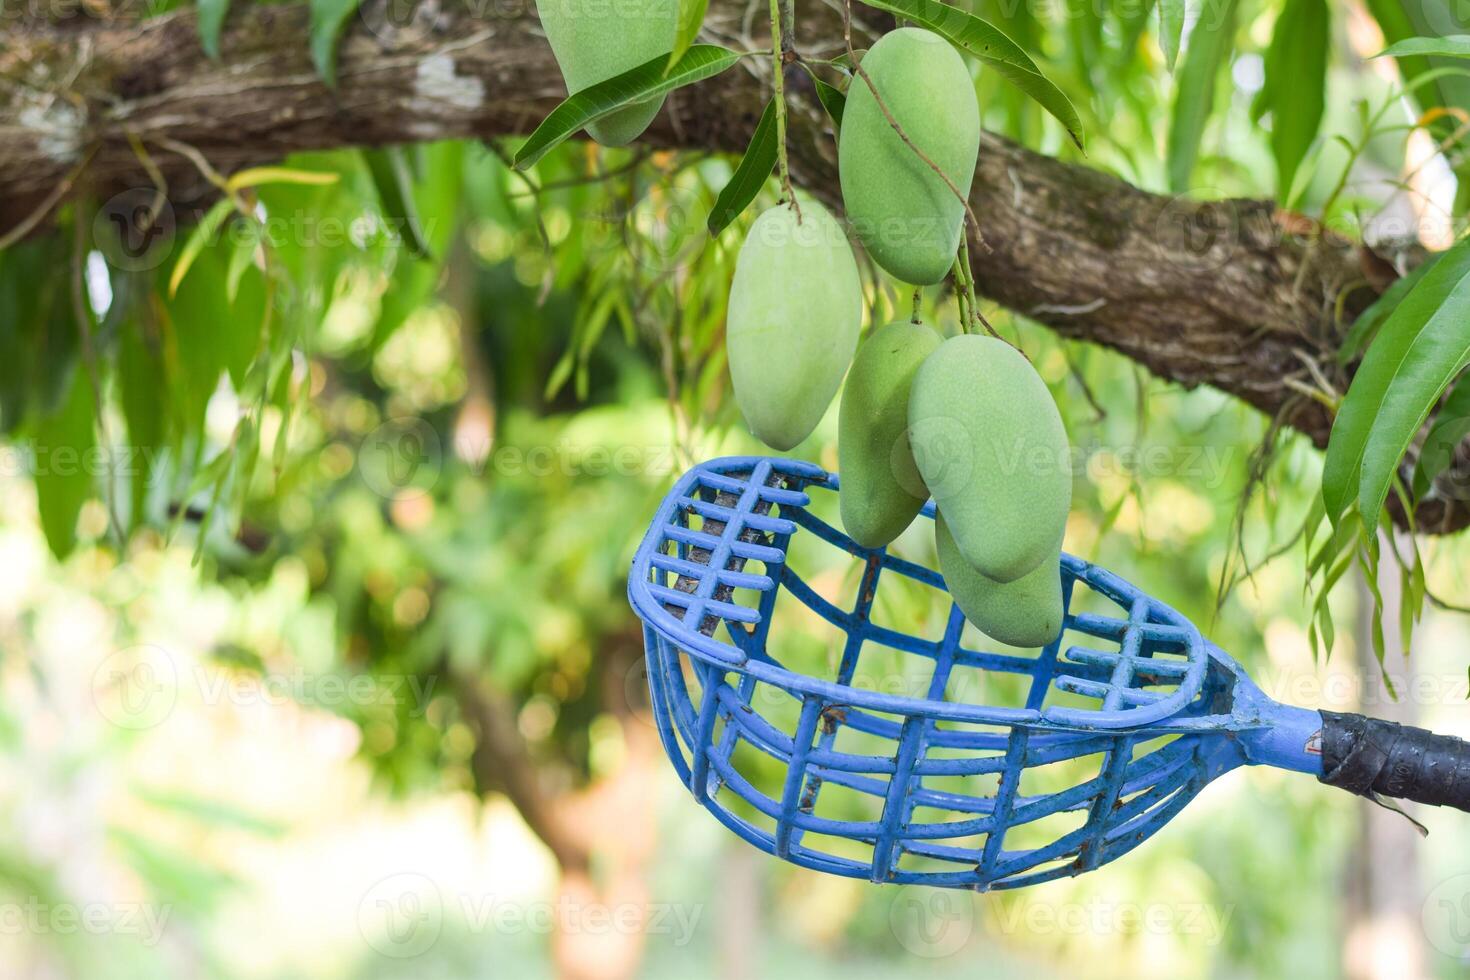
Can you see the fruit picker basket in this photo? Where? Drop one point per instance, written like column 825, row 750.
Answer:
column 933, row 785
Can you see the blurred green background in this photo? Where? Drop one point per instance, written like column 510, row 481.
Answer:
column 315, row 658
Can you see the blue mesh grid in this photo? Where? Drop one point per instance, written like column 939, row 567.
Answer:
column 934, row 790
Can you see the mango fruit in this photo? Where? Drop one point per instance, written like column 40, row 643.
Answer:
column 796, row 307
column 593, row 40
column 903, row 212
column 990, row 444
column 1025, row 613
column 882, row 491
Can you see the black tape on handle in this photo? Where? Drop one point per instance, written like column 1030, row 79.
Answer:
column 1368, row 756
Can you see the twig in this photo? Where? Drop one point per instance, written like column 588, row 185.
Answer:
column 883, row 107
column 778, row 74
column 44, row 208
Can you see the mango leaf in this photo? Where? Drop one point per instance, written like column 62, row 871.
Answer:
column 64, row 481
column 647, row 81
column 394, row 181
column 328, row 21
column 1132, row 19
column 1450, row 46
column 990, row 44
column 690, row 20
column 1419, row 349
column 260, row 176
column 139, row 378
column 1295, row 83
column 750, row 176
column 1365, row 327
column 202, row 235
column 1171, row 29
column 1210, row 44
column 1403, row 20
column 833, row 100
column 211, row 21
column 1451, row 426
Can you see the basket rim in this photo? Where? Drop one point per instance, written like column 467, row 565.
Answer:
column 725, row 656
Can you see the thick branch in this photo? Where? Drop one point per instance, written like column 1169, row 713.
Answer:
column 1231, row 293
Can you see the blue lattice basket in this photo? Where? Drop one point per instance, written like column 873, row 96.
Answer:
column 1068, row 756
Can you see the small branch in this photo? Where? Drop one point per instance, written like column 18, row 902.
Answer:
column 778, row 75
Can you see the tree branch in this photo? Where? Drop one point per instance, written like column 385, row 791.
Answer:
column 1233, row 294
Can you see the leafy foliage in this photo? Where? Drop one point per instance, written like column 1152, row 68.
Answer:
column 647, row 81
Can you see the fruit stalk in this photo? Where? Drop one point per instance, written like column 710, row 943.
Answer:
column 778, row 75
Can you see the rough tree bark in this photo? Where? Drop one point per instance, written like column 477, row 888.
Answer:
column 1234, row 294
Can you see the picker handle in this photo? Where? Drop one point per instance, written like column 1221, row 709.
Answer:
column 1368, row 756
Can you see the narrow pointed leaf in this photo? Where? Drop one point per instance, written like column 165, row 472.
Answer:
column 1210, row 44
column 1171, row 29
column 64, row 480
column 750, row 176
column 328, row 21
column 1295, row 86
column 394, row 181
column 991, row 45
column 211, row 21
column 1451, row 426
column 1422, row 345
column 691, row 19
column 833, row 100
column 647, row 81
column 1365, row 327
column 1450, row 46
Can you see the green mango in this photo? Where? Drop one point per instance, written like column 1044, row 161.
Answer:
column 1024, row 613
column 989, row 442
column 882, row 491
column 796, row 307
column 903, row 212
column 593, row 40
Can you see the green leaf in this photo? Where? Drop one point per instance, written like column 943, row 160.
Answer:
column 1132, row 19
column 990, row 44
column 1171, row 29
column 833, row 100
column 328, row 21
column 1295, row 84
column 140, row 377
column 647, row 81
column 211, row 21
column 202, row 235
column 1451, row 425
column 690, row 20
column 394, row 181
column 1450, row 46
column 1419, row 349
column 750, row 176
column 1210, row 44
column 63, row 443
column 1365, row 327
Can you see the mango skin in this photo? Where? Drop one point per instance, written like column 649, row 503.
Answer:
column 1025, row 613
column 901, row 210
column 990, row 444
column 796, row 308
column 882, row 491
column 593, row 40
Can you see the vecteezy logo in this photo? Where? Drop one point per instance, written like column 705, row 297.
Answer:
column 932, row 922
column 136, row 688
column 1446, row 917
column 402, row 915
column 403, row 457
column 946, row 446
column 134, row 230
